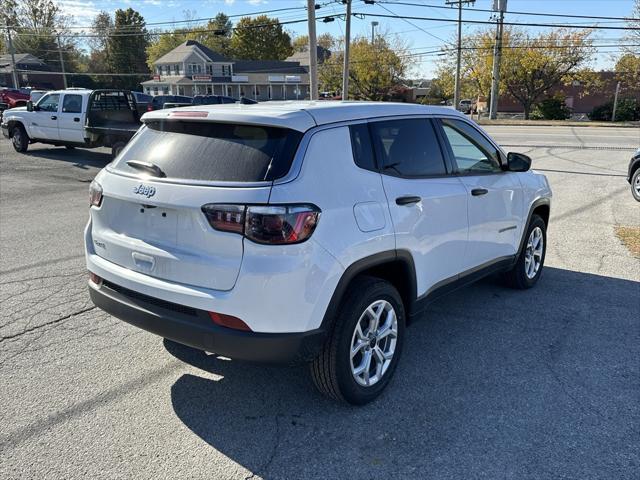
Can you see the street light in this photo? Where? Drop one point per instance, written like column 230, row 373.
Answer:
column 374, row 24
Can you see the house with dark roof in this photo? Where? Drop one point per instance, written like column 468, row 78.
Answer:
column 32, row 72
column 193, row 69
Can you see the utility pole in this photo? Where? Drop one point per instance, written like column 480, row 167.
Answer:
column 456, row 92
column 313, row 50
column 347, row 40
column 64, row 75
column 500, row 5
column 374, row 24
column 14, row 74
column 615, row 103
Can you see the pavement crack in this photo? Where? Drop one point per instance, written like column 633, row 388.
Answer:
column 276, row 444
column 46, row 324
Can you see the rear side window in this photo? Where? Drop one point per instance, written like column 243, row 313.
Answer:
column 213, row 151
column 361, row 146
column 72, row 103
column 408, row 148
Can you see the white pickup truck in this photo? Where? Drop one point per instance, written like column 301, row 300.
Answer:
column 74, row 118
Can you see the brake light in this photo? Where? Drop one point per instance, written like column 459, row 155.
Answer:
column 228, row 321
column 95, row 194
column 266, row 224
column 149, row 108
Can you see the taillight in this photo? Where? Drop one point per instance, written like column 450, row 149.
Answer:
column 95, row 194
column 226, row 218
column 267, row 224
column 149, row 108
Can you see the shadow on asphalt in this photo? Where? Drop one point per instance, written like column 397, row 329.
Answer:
column 79, row 157
column 538, row 383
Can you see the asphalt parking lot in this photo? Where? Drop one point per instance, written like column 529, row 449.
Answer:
column 494, row 383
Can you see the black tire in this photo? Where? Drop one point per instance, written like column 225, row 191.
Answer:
column 635, row 183
column 517, row 277
column 19, row 139
column 116, row 148
column 331, row 370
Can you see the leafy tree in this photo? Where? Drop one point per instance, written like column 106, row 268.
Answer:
column 530, row 66
column 98, row 60
column 374, row 70
column 35, row 27
column 628, row 72
column 126, row 48
column 260, row 38
column 325, row 40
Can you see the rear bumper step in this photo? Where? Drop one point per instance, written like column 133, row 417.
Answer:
column 194, row 328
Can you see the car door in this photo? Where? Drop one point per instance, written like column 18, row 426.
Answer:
column 70, row 127
column 428, row 206
column 495, row 199
column 44, row 123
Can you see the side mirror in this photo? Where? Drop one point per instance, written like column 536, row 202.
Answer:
column 518, row 162
column 29, row 106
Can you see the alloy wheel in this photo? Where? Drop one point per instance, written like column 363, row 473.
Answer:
column 533, row 253
column 373, row 343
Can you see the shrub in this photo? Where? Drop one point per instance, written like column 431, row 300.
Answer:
column 628, row 110
column 552, row 108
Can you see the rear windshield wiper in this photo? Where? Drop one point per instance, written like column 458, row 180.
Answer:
column 149, row 167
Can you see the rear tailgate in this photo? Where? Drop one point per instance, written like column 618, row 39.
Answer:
column 166, row 235
column 155, row 225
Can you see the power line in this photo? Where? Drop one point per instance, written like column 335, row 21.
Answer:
column 538, row 14
column 487, row 22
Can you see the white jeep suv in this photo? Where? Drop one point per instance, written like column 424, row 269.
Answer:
column 308, row 231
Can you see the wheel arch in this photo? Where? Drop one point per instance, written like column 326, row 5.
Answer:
column 11, row 124
column 540, row 207
column 395, row 266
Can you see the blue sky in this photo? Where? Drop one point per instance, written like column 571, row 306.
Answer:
column 429, row 36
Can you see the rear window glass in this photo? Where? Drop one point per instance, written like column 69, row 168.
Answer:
column 213, row 151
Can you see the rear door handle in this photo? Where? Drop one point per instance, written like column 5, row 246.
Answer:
column 76, row 119
column 53, row 117
column 476, row 192
column 407, row 200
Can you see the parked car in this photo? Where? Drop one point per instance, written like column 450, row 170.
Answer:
column 634, row 175
column 142, row 101
column 158, row 102
column 74, row 118
column 465, row 106
column 14, row 97
column 212, row 100
column 308, row 231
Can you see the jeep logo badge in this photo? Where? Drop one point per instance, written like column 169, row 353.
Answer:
column 145, row 190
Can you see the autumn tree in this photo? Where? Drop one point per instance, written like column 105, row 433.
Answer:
column 35, row 27
column 543, row 62
column 531, row 65
column 260, row 38
column 374, row 69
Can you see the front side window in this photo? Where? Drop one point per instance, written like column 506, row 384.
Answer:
column 49, row 103
column 72, row 103
column 472, row 152
column 408, row 148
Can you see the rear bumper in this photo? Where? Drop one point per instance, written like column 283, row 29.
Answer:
column 193, row 327
column 5, row 130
